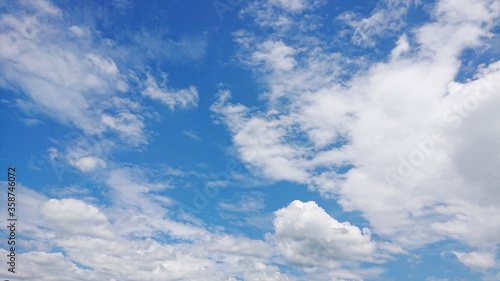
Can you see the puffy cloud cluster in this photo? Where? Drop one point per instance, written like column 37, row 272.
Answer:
column 141, row 240
column 307, row 236
column 477, row 260
column 402, row 141
column 98, row 246
column 76, row 218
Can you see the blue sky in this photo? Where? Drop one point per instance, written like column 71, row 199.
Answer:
column 252, row 140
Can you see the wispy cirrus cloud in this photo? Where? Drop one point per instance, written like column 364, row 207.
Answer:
column 61, row 74
column 385, row 20
column 68, row 72
column 173, row 98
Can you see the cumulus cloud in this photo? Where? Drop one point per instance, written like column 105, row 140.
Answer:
column 98, row 246
column 76, row 217
column 116, row 260
column 260, row 271
column 307, row 236
column 124, row 240
column 399, row 141
column 477, row 260
column 240, row 246
column 392, row 141
column 49, row 267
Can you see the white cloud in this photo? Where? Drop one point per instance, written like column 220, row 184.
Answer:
column 240, row 246
column 191, row 134
column 85, row 153
column 116, row 260
column 76, row 217
column 74, row 76
column 262, row 272
column 276, row 55
column 103, row 243
column 314, row 125
column 402, row 46
column 411, row 137
column 60, row 75
column 173, row 98
column 291, row 5
column 387, row 17
column 477, row 260
column 342, row 274
column 128, row 125
column 31, row 122
column 53, row 153
column 283, row 14
column 89, row 163
column 307, row 236
column 49, row 267
column 259, row 141
column 29, row 214
column 80, row 31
